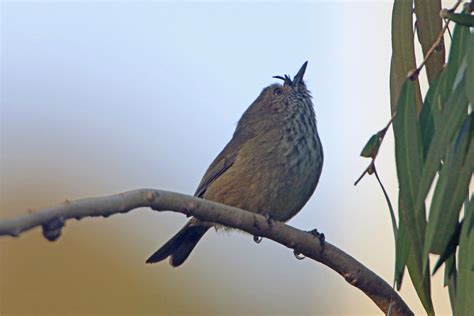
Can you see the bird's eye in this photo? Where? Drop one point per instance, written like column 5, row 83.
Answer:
column 277, row 91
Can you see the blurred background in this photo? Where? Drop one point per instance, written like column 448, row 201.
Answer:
column 103, row 97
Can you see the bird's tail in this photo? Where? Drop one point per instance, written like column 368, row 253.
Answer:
column 180, row 245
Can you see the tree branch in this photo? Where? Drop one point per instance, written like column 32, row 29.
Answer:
column 53, row 219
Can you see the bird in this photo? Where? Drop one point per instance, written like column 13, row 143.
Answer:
column 271, row 166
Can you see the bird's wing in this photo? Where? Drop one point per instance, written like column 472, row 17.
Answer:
column 221, row 164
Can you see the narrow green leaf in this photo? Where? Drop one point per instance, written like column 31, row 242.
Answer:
column 450, row 280
column 422, row 285
column 457, row 52
column 372, row 147
column 465, row 283
column 460, row 18
column 403, row 50
column 470, row 70
column 450, row 249
column 451, row 118
column 402, row 248
column 408, row 154
column 450, row 192
column 450, row 269
column 431, row 110
column 429, row 25
column 408, row 148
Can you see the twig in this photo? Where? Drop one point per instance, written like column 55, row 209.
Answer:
column 368, row 170
column 415, row 72
column 302, row 242
column 449, row 31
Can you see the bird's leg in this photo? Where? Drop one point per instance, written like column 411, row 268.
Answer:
column 318, row 235
column 270, row 222
column 269, row 218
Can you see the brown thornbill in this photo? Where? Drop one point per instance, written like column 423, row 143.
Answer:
column 270, row 166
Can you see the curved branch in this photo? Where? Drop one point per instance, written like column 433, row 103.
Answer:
column 52, row 219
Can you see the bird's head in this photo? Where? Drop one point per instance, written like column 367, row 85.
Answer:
column 279, row 102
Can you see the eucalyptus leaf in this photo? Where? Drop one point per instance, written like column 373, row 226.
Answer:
column 470, row 70
column 450, row 280
column 431, row 111
column 460, row 18
column 403, row 50
column 428, row 26
column 408, row 156
column 372, row 147
column 450, row 248
column 402, row 248
column 450, row 192
column 457, row 52
column 465, row 283
column 452, row 116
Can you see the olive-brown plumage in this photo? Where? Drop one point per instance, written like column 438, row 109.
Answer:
column 271, row 165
